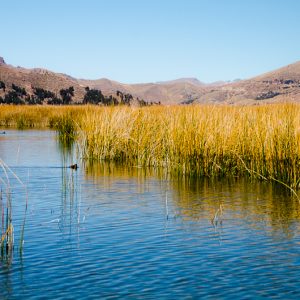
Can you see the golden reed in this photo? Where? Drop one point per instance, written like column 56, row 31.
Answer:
column 200, row 140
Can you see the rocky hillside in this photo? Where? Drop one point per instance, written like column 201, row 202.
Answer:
column 270, row 87
column 38, row 78
column 274, row 86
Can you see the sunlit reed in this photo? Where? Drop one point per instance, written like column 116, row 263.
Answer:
column 199, row 140
column 262, row 141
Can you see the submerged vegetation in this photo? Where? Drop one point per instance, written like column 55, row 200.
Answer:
column 261, row 141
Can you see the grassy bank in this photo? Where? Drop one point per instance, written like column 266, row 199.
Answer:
column 263, row 141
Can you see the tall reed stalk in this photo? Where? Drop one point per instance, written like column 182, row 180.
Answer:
column 7, row 228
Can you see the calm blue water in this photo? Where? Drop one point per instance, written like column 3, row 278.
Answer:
column 106, row 231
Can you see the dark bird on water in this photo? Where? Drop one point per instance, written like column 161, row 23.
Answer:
column 74, row 167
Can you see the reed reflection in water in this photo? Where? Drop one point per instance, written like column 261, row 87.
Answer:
column 264, row 205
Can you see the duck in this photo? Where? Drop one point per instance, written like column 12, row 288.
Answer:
column 74, row 167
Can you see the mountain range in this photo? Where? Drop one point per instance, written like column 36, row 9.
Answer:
column 274, row 86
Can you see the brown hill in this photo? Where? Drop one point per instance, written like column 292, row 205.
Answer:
column 176, row 91
column 278, row 85
column 270, row 87
column 41, row 78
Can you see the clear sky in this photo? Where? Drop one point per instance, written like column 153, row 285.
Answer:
column 151, row 40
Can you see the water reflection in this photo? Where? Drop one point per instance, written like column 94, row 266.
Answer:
column 69, row 220
column 264, row 205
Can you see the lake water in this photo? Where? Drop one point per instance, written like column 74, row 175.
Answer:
column 107, row 231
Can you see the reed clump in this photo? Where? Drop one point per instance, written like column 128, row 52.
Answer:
column 65, row 125
column 23, row 117
column 263, row 141
column 6, row 208
column 39, row 116
column 7, row 228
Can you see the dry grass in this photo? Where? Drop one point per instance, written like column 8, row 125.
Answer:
column 263, row 141
column 23, row 116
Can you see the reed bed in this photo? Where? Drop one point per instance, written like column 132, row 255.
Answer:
column 198, row 140
column 28, row 117
column 263, row 141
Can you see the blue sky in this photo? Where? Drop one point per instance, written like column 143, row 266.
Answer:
column 151, row 40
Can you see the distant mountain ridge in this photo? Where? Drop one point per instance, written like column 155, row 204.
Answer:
column 190, row 80
column 273, row 86
column 277, row 85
